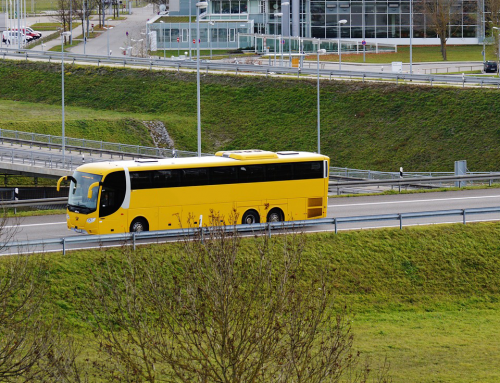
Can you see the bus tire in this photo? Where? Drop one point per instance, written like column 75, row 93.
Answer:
column 138, row 225
column 250, row 216
column 275, row 215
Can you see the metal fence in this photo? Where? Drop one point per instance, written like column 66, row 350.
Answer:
column 427, row 177
column 132, row 238
column 85, row 145
column 236, row 68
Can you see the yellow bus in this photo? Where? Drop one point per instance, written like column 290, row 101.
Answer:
column 252, row 186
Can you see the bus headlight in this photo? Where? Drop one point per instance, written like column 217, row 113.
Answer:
column 90, row 220
column 67, row 216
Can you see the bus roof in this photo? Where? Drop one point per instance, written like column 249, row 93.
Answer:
column 219, row 159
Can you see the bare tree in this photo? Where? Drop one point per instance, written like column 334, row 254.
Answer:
column 492, row 19
column 62, row 16
column 220, row 314
column 83, row 9
column 441, row 16
column 26, row 339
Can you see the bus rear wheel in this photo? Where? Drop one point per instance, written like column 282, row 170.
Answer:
column 275, row 215
column 138, row 225
column 250, row 216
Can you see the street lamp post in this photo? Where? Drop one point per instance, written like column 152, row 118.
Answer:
column 320, row 51
column 411, row 36
column 210, row 23
column 107, row 33
column 341, row 22
column 277, row 14
column 498, row 66
column 163, row 39
column 63, row 145
column 199, row 5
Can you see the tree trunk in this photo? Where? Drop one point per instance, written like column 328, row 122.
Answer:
column 443, row 47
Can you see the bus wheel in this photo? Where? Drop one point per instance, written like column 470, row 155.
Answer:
column 275, row 215
column 250, row 216
column 138, row 225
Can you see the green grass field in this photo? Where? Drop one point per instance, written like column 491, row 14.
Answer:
column 364, row 126
column 419, row 54
column 427, row 298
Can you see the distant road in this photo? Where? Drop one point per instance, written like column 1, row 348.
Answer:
column 32, row 228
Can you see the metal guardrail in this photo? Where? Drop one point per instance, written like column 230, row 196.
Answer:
column 336, row 171
column 417, row 180
column 84, row 145
column 34, row 202
column 262, row 227
column 241, row 67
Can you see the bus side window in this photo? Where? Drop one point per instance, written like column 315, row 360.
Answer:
column 112, row 193
column 308, row 170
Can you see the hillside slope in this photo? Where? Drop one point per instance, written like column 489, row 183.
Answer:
column 371, row 126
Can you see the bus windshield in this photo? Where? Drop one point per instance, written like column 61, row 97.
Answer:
column 78, row 201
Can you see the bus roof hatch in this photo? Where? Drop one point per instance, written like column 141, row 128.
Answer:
column 253, row 154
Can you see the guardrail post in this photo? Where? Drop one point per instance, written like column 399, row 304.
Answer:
column 64, row 246
column 463, row 214
column 400, row 222
column 269, row 230
column 335, row 223
column 133, row 240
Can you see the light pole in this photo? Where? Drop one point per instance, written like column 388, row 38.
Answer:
column 163, row 39
column 498, row 29
column 320, row 51
column 199, row 5
column 107, row 33
column 277, row 14
column 341, row 22
column 411, row 36
column 63, row 35
column 210, row 23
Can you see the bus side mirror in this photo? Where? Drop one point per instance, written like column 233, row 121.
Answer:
column 59, row 182
column 69, row 178
column 89, row 194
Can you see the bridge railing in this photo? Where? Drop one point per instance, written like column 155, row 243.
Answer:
column 82, row 144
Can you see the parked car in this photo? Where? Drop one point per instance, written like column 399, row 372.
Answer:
column 11, row 37
column 29, row 32
column 490, row 67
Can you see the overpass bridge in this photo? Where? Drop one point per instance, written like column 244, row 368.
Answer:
column 40, row 155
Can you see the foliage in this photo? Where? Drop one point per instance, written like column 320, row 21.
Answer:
column 427, row 297
column 214, row 315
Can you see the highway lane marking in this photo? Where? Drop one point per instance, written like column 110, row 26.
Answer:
column 415, row 201
column 37, row 224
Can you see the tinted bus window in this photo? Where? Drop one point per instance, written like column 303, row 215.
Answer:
column 166, row 178
column 279, row 172
column 194, row 177
column 251, row 173
column 308, row 170
column 223, row 175
column 141, row 180
column 112, row 193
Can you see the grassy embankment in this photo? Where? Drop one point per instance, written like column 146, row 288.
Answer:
column 419, row 54
column 375, row 126
column 427, row 298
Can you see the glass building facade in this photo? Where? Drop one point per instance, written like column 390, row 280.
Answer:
column 384, row 21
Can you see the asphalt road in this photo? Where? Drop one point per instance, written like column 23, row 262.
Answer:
column 44, row 227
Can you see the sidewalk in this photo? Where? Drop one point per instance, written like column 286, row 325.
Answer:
column 134, row 24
